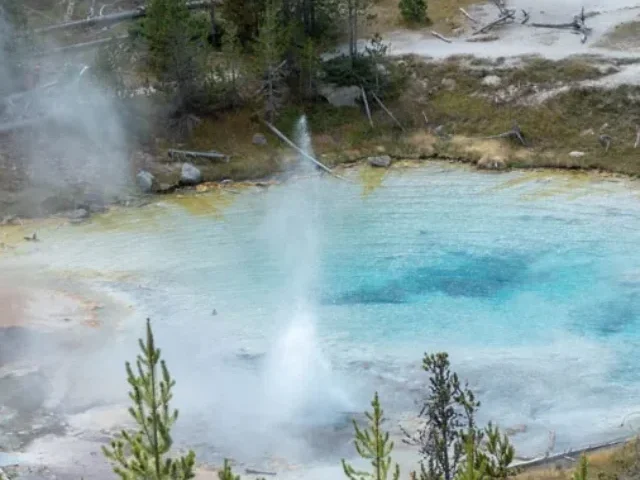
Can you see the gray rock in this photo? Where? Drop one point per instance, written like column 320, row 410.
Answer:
column 146, row 181
column 190, row 175
column 382, row 161
column 491, row 81
column 576, row 154
column 341, row 96
column 449, row 83
column 259, row 139
column 78, row 215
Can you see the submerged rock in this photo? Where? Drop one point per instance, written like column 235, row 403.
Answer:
column 382, row 161
column 146, row 181
column 190, row 175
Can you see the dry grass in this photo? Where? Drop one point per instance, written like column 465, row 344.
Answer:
column 622, row 36
column 616, row 463
column 444, row 14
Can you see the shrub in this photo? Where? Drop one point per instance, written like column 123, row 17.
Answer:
column 413, row 11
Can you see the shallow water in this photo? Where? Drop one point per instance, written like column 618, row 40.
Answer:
column 326, row 291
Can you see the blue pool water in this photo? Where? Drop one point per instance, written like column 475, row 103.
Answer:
column 326, row 291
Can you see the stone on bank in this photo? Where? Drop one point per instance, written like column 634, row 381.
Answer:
column 190, row 175
column 146, row 181
column 381, row 161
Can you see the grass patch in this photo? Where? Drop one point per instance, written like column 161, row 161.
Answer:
column 622, row 35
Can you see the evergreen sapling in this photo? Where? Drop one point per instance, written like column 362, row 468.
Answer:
column 143, row 454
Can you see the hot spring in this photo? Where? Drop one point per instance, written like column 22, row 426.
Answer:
column 325, row 291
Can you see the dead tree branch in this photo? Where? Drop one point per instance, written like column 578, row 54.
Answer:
column 578, row 25
column 366, row 105
column 515, row 132
column 466, row 14
column 387, row 111
column 282, row 137
column 437, row 35
column 635, row 145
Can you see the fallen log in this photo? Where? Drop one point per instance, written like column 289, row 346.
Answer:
column 635, row 145
column 437, row 35
column 578, row 25
column 466, row 14
column 282, row 137
column 79, row 46
column 251, row 471
column 551, row 459
column 114, row 18
column 387, row 111
column 221, row 157
column 515, row 132
column 366, row 105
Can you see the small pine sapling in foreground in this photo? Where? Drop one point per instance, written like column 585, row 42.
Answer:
column 498, row 454
column 582, row 471
column 373, row 444
column 449, row 410
column 142, row 454
column 226, row 473
column 474, row 466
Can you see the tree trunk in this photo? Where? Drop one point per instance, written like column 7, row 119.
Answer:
column 212, row 13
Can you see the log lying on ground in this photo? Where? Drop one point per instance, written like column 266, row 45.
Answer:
column 115, row 18
column 466, row 14
column 387, row 111
column 441, row 37
column 80, row 46
column 578, row 25
column 282, row 137
column 215, row 156
column 635, row 145
column 515, row 132
column 366, row 105
column 507, row 15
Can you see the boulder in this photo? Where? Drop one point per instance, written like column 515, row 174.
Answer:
column 449, row 83
column 576, row 154
column 341, row 96
column 190, row 175
column 490, row 162
column 382, row 161
column 491, row 81
column 259, row 139
column 146, row 181
column 78, row 215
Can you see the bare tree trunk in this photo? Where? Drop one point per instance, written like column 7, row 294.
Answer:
column 212, row 13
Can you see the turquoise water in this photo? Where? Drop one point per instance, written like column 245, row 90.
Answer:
column 324, row 294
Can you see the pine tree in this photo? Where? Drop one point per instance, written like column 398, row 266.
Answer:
column 449, row 410
column 474, row 466
column 270, row 50
column 143, row 454
column 582, row 471
column 373, row 444
column 226, row 473
column 498, row 454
